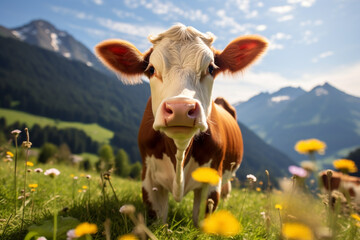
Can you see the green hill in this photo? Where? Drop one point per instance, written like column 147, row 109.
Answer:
column 41, row 82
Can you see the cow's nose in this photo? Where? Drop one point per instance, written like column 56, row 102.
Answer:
column 180, row 112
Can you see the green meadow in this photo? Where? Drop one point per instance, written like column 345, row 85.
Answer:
column 76, row 198
column 93, row 130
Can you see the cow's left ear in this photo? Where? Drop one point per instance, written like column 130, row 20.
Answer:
column 240, row 53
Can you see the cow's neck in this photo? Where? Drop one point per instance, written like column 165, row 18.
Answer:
column 178, row 183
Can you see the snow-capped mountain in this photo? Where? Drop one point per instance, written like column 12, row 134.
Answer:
column 325, row 113
column 43, row 34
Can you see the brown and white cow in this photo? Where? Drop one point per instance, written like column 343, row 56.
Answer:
column 182, row 128
column 348, row 185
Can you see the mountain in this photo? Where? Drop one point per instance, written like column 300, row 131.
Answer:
column 43, row 34
column 260, row 156
column 324, row 112
column 42, row 82
column 265, row 106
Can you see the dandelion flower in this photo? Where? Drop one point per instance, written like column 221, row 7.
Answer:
column 84, row 187
column 297, row 171
column 309, row 146
column 34, row 185
column 85, row 228
column 278, row 206
column 258, row 189
column 251, row 177
column 128, row 237
column 30, row 164
column 221, row 223
column 356, row 217
column 206, row 175
column 52, row 172
column 345, row 165
column 10, row 154
column 297, row 231
column 80, row 191
column 38, row 170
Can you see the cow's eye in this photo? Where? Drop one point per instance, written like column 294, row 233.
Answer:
column 151, row 70
column 211, row 69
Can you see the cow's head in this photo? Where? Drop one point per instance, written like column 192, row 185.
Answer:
column 181, row 67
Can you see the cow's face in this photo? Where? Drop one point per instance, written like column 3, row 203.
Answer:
column 181, row 67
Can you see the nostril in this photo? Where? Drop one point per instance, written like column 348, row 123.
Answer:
column 193, row 110
column 168, row 109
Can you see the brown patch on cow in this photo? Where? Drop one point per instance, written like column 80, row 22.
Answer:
column 334, row 180
column 150, row 211
column 225, row 190
column 226, row 105
column 352, row 192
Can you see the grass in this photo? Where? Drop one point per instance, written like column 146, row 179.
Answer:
column 245, row 204
column 93, row 130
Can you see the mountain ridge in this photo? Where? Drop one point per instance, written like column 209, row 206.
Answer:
column 324, row 112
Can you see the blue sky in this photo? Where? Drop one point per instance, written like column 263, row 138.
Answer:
column 311, row 41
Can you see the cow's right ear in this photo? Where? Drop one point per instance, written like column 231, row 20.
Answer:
column 124, row 59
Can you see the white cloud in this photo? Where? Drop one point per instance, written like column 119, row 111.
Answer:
column 281, row 9
column 303, row 3
column 261, row 28
column 124, row 14
column 241, row 88
column 74, row 13
column 130, row 29
column 309, row 38
column 322, row 55
column 274, row 45
column 311, row 23
column 285, row 18
column 98, row 2
column 225, row 21
column 169, row 10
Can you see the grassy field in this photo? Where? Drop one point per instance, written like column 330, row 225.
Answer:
column 83, row 200
column 95, row 131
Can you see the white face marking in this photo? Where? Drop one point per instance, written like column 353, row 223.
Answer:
column 181, row 71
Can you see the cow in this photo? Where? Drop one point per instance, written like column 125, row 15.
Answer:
column 348, row 185
column 182, row 127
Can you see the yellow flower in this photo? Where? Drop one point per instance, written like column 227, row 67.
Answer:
column 128, row 237
column 84, row 187
column 85, row 228
column 355, row 216
column 278, row 206
column 206, row 175
column 30, row 164
column 34, row 185
column 72, row 175
column 310, row 146
column 80, row 191
column 9, row 154
column 258, row 189
column 345, row 165
column 297, row 231
column 221, row 223
column 33, row 190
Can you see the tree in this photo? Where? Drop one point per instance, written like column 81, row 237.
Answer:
column 64, row 153
column 135, row 170
column 122, row 165
column 106, row 158
column 47, row 153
